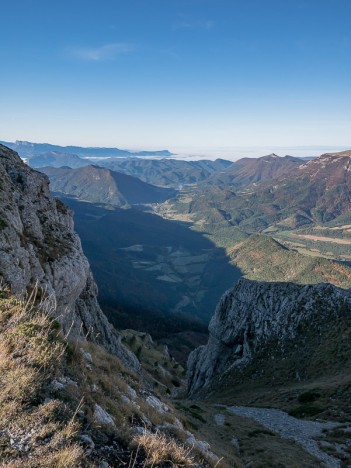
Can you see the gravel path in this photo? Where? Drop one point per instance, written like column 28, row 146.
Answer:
column 298, row 430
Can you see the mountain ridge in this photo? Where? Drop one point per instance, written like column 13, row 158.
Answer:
column 246, row 171
column 265, row 319
column 316, row 192
column 30, row 149
column 101, row 185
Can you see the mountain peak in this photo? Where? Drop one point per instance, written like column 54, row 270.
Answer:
column 272, row 155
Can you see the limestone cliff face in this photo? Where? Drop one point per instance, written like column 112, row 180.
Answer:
column 254, row 315
column 38, row 245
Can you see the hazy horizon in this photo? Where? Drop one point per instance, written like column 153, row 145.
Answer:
column 200, row 152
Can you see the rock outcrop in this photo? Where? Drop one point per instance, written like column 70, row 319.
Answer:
column 255, row 316
column 38, row 247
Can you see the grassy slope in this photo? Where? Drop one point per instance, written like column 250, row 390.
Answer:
column 257, row 446
column 42, row 422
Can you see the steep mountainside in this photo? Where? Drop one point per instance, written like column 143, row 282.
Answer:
column 247, row 171
column 100, row 185
column 38, row 246
column 315, row 192
column 65, row 400
column 262, row 258
column 285, row 330
column 167, row 172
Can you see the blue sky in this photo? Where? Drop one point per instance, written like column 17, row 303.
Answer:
column 171, row 73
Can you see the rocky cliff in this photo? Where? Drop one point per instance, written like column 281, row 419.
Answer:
column 38, row 246
column 269, row 319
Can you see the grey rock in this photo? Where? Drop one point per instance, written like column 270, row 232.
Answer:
column 254, row 313
column 39, row 247
column 138, row 430
column 86, row 356
column 157, row 404
column 88, row 442
column 203, row 448
column 126, row 400
column 219, row 419
column 101, row 416
column 104, row 464
column 235, row 442
column 132, row 393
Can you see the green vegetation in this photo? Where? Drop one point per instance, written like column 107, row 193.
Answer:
column 311, row 376
column 305, row 411
column 308, row 397
column 263, row 258
column 258, row 432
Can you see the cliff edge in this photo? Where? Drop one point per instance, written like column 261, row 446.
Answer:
column 269, row 323
column 39, row 247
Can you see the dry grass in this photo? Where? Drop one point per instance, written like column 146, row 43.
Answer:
column 68, row 457
column 41, row 422
column 159, row 450
column 31, row 355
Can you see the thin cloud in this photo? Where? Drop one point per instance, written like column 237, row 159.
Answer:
column 102, row 53
column 199, row 24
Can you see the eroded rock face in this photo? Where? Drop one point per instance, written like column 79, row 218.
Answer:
column 254, row 315
column 38, row 245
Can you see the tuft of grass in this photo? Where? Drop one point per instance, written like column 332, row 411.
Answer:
column 159, row 450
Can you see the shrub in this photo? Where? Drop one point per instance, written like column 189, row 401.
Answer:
column 308, row 397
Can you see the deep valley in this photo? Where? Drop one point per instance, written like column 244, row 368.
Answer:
column 260, row 256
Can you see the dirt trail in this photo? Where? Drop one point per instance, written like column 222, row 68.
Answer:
column 300, row 431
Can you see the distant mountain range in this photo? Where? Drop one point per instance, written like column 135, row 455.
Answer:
column 315, row 192
column 246, row 171
column 57, row 159
column 162, row 172
column 103, row 186
column 28, row 149
column 169, row 172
